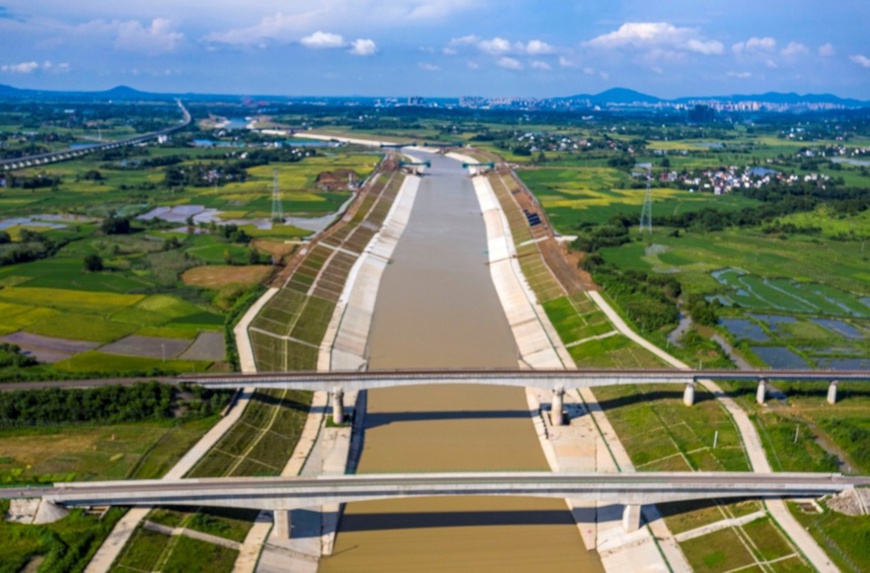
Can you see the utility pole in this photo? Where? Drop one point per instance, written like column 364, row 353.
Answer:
column 277, row 206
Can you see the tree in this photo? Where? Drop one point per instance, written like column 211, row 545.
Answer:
column 5, row 238
column 115, row 225
column 93, row 263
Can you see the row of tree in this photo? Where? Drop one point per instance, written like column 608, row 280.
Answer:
column 106, row 404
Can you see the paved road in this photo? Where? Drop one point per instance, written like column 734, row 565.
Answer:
column 43, row 158
column 288, row 493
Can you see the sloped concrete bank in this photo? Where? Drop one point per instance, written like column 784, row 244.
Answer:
column 588, row 443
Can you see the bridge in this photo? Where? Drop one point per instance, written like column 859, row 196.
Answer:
column 337, row 383
column 282, row 494
column 67, row 154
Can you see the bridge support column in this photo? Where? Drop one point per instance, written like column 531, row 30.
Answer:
column 557, row 414
column 281, row 518
column 631, row 518
column 689, row 394
column 338, row 406
column 761, row 394
column 832, row 392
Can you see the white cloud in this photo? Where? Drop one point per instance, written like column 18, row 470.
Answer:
column 589, row 71
column 473, row 65
column 296, row 18
column 826, row 50
column 794, row 49
column 32, row 66
column 434, row 9
column 861, row 60
column 510, row 63
column 428, row 67
column 158, row 38
column 495, row 46
column 539, row 65
column 739, row 75
column 22, row 68
column 455, row 44
column 498, row 46
column 327, row 41
column 754, row 45
column 277, row 27
column 566, row 63
column 536, row 48
column 322, row 40
column 364, row 47
column 646, row 35
column 708, row 48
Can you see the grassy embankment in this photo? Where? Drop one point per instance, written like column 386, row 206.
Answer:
column 287, row 333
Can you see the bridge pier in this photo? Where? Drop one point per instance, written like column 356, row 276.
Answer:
column 557, row 410
column 338, row 406
column 761, row 394
column 689, row 394
column 281, row 518
column 832, row 392
column 631, row 518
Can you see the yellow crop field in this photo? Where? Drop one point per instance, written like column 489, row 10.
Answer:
column 95, row 302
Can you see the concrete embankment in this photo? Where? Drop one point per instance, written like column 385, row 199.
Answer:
column 588, row 443
column 345, row 343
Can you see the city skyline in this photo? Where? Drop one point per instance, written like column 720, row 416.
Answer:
column 437, row 48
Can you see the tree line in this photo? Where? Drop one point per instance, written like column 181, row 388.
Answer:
column 107, row 404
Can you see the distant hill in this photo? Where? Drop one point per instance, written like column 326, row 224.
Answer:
column 614, row 97
column 623, row 96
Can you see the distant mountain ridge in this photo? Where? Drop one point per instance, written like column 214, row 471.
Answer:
column 613, row 96
column 623, row 96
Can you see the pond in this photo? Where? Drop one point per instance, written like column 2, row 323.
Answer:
column 844, row 363
column 774, row 321
column 779, row 357
column 742, row 328
column 839, row 327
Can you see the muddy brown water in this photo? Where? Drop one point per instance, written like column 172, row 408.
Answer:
column 437, row 308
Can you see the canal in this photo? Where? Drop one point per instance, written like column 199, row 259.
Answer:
column 437, row 308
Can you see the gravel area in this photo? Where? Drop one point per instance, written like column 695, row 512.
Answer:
column 147, row 346
column 208, row 346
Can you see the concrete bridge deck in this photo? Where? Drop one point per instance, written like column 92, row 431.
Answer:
column 283, row 493
column 545, row 379
column 337, row 383
column 67, row 154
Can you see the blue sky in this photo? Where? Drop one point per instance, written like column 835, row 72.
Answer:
column 438, row 47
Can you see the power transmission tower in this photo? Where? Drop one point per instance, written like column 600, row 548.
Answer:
column 277, row 206
column 646, row 212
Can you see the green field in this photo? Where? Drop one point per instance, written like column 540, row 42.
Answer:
column 118, row 451
column 152, row 551
column 83, row 453
column 596, row 194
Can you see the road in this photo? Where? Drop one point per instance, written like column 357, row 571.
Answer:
column 288, row 493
